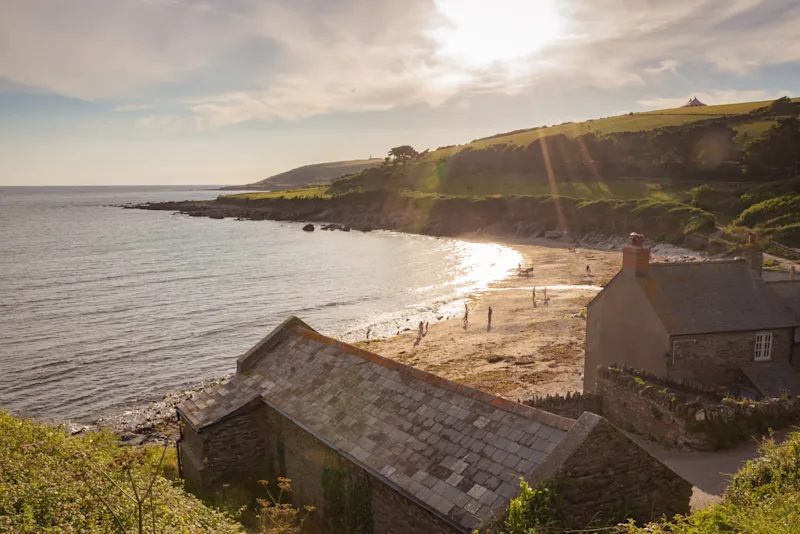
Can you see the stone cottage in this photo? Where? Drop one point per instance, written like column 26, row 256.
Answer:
column 717, row 323
column 377, row 446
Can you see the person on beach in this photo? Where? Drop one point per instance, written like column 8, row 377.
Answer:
column 421, row 330
column 588, row 270
column 426, row 329
column 545, row 295
column 368, row 332
column 489, row 325
column 466, row 315
column 533, row 296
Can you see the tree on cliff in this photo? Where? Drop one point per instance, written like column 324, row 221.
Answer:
column 402, row 154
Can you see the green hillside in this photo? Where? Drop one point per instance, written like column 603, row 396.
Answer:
column 312, row 174
column 631, row 122
column 736, row 162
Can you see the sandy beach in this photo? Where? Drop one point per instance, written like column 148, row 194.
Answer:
column 529, row 350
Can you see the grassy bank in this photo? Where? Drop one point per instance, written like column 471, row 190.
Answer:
column 51, row 482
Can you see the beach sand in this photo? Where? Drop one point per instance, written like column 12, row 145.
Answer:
column 529, row 350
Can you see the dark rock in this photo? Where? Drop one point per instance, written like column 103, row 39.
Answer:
column 308, row 228
column 344, row 228
column 134, row 441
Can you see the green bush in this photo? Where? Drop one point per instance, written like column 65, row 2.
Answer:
column 767, row 210
column 51, row 482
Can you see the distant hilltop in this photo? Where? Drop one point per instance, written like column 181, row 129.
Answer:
column 318, row 173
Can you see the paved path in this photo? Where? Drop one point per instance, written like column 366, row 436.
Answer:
column 709, row 472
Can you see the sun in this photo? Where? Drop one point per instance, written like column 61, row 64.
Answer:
column 483, row 32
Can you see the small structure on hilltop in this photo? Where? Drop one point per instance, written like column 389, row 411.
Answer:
column 377, row 446
column 717, row 323
column 693, row 103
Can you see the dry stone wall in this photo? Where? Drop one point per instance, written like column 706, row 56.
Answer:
column 571, row 405
column 683, row 414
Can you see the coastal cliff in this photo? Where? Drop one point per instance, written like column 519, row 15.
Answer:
column 442, row 215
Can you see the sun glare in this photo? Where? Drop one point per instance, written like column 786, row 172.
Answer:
column 482, row 32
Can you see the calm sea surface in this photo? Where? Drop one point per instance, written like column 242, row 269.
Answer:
column 102, row 307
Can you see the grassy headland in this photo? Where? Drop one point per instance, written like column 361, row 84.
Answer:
column 318, row 173
column 663, row 173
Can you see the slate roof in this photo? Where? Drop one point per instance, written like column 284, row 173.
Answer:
column 713, row 296
column 772, row 379
column 788, row 291
column 455, row 450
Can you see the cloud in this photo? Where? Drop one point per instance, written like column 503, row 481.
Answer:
column 232, row 61
column 668, row 65
column 713, row 97
column 133, row 107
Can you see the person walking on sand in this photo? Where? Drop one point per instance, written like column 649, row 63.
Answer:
column 588, row 270
column 466, row 315
column 533, row 296
column 489, row 324
column 544, row 291
column 421, row 330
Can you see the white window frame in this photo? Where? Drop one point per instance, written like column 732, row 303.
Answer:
column 763, row 352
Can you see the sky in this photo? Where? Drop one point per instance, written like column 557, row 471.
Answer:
column 99, row 92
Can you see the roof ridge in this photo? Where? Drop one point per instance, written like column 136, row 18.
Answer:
column 528, row 412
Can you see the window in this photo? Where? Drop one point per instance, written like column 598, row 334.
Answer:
column 763, row 347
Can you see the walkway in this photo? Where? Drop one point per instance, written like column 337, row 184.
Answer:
column 709, row 472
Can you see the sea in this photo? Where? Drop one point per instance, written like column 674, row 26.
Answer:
column 103, row 308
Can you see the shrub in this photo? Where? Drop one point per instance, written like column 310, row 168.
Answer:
column 51, row 482
column 769, row 209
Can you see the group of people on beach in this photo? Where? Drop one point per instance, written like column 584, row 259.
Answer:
column 423, row 327
column 466, row 318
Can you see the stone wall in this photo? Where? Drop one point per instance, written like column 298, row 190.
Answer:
column 601, row 474
column 571, row 405
column 714, row 359
column 682, row 414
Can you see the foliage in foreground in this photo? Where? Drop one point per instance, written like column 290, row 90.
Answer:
column 51, row 482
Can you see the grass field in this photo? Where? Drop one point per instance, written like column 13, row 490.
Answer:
column 316, row 191
column 633, row 122
column 317, row 173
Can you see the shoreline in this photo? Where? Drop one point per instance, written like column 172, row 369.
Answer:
column 529, row 351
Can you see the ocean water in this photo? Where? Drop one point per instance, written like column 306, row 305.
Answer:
column 102, row 307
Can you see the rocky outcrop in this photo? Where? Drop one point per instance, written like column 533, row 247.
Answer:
column 308, row 228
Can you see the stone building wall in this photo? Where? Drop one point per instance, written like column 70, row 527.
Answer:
column 601, row 473
column 714, row 359
column 231, row 451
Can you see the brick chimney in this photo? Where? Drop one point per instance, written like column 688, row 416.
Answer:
column 635, row 257
column 752, row 253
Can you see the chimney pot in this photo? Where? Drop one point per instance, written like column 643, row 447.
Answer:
column 636, row 258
